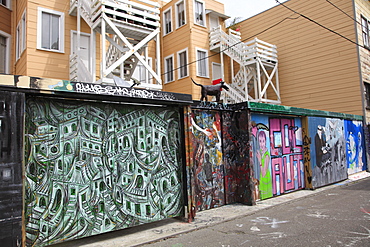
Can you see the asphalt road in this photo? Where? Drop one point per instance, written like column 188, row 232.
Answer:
column 334, row 217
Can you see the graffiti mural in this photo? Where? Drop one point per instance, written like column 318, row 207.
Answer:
column 238, row 180
column 11, row 126
column 328, row 150
column 355, row 146
column 93, row 168
column 277, row 146
column 207, row 171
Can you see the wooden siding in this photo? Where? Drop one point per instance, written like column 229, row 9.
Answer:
column 5, row 19
column 317, row 68
column 363, row 9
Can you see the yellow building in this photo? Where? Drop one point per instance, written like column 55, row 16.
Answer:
column 323, row 52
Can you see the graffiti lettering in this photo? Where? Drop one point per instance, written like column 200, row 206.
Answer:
column 122, row 91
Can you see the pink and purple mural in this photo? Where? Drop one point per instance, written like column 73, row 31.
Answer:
column 277, row 155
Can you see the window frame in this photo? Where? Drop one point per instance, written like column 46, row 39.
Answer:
column 367, row 94
column 7, row 4
column 21, row 36
column 166, row 69
column 169, row 10
column 7, row 51
column 365, row 31
column 180, row 67
column 40, row 11
column 200, row 61
column 203, row 14
column 177, row 13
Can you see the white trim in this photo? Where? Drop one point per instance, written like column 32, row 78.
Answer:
column 165, row 68
column 213, row 71
column 177, row 14
column 210, row 17
column 8, row 4
column 7, row 52
column 164, row 21
column 203, row 13
column 21, row 36
column 179, row 63
column 40, row 11
column 204, row 60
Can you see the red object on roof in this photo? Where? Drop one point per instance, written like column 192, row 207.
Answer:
column 214, row 82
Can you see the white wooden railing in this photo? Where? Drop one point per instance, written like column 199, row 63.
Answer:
column 252, row 56
column 78, row 70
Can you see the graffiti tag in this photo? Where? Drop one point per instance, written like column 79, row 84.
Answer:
column 122, row 91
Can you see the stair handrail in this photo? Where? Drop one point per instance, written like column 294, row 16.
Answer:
column 233, row 95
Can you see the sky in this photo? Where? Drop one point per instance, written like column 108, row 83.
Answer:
column 246, row 8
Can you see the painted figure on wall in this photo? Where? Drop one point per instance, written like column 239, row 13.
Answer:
column 277, row 155
column 328, row 151
column 263, row 156
column 356, row 161
column 208, row 171
column 321, row 148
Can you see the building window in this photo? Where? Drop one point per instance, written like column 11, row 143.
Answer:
column 367, row 94
column 199, row 12
column 6, row 3
column 50, row 30
column 365, row 31
column 180, row 14
column 168, row 69
column 4, row 52
column 21, row 36
column 182, row 58
column 202, row 63
column 167, row 21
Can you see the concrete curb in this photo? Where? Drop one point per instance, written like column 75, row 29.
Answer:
column 152, row 232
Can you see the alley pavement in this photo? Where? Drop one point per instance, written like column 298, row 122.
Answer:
column 156, row 231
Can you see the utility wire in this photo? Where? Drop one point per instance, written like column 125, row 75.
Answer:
column 311, row 20
column 335, row 6
column 242, row 41
column 272, row 26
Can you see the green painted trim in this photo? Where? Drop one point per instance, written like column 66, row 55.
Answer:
column 269, row 108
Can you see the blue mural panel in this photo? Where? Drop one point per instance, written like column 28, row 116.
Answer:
column 355, row 146
column 328, row 150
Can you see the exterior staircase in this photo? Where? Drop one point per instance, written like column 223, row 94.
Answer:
column 257, row 78
column 126, row 28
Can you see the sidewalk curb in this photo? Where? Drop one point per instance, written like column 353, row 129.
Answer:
column 156, row 231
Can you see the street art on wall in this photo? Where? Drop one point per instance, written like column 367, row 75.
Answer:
column 328, row 150
column 207, row 168
column 355, row 146
column 238, row 180
column 93, row 168
column 11, row 116
column 277, row 155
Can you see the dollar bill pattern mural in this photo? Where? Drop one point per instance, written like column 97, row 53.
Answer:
column 93, row 168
